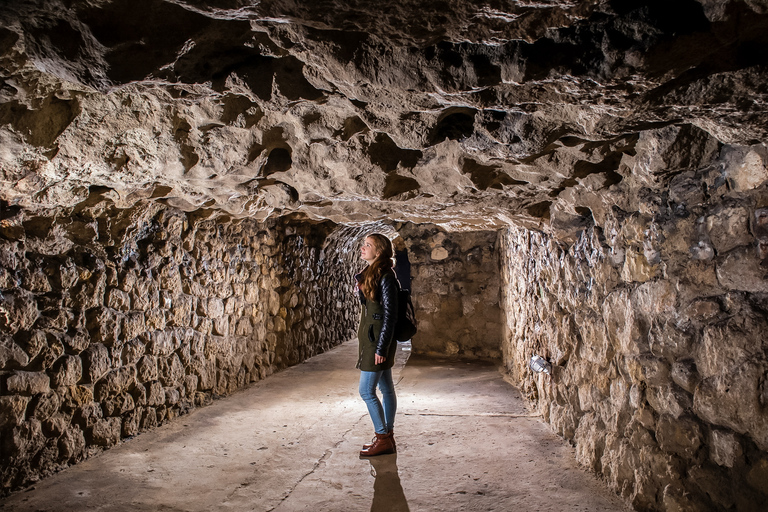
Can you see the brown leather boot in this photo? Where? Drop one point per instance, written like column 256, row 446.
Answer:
column 391, row 434
column 382, row 445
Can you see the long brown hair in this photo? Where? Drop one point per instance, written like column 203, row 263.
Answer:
column 373, row 272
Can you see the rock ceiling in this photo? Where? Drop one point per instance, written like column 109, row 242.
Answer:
column 471, row 114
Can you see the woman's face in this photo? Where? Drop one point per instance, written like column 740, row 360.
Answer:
column 368, row 251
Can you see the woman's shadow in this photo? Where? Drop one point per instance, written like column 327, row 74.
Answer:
column 388, row 494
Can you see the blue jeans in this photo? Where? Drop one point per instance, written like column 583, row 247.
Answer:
column 383, row 417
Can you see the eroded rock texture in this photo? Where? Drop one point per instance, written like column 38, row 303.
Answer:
column 160, row 161
column 464, row 113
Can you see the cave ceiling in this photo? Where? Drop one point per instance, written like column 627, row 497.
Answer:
column 468, row 114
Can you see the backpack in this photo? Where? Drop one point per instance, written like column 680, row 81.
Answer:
column 405, row 327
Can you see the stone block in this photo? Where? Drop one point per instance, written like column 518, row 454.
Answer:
column 652, row 370
column 106, row 432
column 172, row 396
column 88, row 414
column 55, row 425
column 637, row 268
column 28, row 383
column 180, row 314
column 35, row 281
column 72, row 444
column 685, row 375
column 146, row 369
column 139, row 394
column 251, row 293
column 215, row 308
column 132, row 351
column 132, row 325
column 726, row 345
column 655, row 299
column 68, row 275
column 728, row 228
column 114, row 382
column 161, row 344
column 67, row 371
column 75, row 397
column 220, row 326
column 118, row 405
column 668, row 341
column 171, row 371
column 622, row 327
column 131, row 421
column 733, row 400
column 149, row 420
column 681, row 436
column 745, row 172
column 155, row 319
column 12, row 356
column 45, row 405
column 741, row 270
column 18, row 311
column 725, row 448
column 23, row 441
column 118, row 299
column 170, row 278
column 669, row 400
column 77, row 341
column 244, row 327
column 155, row 394
column 96, row 362
column 103, row 325
column 12, row 410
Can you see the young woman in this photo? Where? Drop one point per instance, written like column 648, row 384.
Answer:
column 378, row 290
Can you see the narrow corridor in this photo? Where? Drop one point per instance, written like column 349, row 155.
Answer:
column 289, row 443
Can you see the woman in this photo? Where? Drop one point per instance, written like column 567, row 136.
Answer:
column 378, row 290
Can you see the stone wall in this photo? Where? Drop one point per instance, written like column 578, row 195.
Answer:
column 655, row 322
column 455, row 291
column 113, row 322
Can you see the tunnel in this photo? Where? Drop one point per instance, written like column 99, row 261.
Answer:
column 185, row 186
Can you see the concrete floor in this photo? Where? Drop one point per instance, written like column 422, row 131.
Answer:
column 465, row 442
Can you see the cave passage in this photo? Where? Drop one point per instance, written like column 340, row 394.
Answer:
column 184, row 186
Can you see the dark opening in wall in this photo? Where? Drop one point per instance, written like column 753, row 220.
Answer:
column 279, row 160
column 453, row 124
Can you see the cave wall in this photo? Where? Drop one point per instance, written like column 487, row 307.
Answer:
column 455, row 291
column 113, row 322
column 654, row 316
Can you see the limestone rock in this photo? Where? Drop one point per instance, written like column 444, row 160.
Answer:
column 12, row 410
column 96, row 362
column 28, row 383
column 715, row 401
column 67, row 372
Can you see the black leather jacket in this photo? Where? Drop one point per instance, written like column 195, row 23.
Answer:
column 379, row 317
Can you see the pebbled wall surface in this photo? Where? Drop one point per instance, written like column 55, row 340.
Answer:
column 654, row 320
column 113, row 324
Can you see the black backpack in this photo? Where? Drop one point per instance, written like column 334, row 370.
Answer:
column 405, row 327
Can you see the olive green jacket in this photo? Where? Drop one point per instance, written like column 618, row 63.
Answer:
column 376, row 333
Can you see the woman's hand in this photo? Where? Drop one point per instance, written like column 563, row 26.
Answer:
column 377, row 359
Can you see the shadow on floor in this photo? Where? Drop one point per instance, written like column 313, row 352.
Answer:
column 388, row 495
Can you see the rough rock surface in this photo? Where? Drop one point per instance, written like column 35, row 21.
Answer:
column 456, row 291
column 157, row 313
column 148, row 149
column 654, row 320
column 468, row 114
